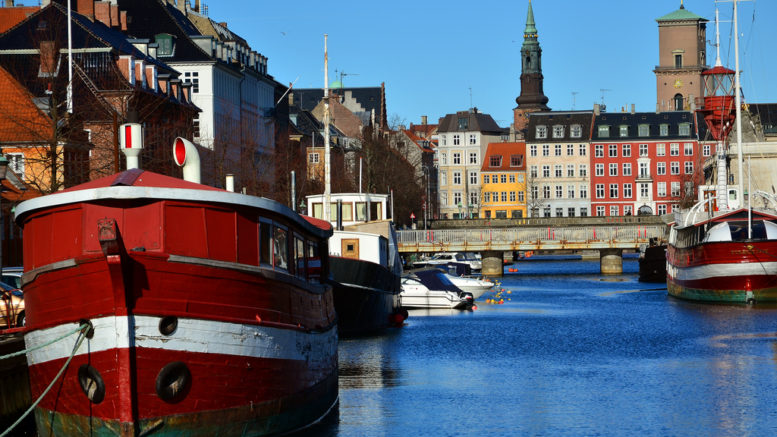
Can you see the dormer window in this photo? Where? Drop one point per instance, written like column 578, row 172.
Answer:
column 576, row 131
column 604, row 131
column 644, row 130
column 463, row 123
column 558, row 131
column 542, row 131
column 495, row 161
column 166, row 44
column 623, row 130
column 516, row 160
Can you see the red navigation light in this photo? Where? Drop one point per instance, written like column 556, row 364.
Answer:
column 719, row 101
column 128, row 136
column 180, row 152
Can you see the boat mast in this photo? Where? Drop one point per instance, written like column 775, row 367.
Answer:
column 738, row 108
column 327, row 166
column 722, row 189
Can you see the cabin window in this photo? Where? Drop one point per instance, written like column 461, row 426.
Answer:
column 314, row 262
column 299, row 257
column 347, row 211
column 265, row 243
column 361, row 211
column 280, row 246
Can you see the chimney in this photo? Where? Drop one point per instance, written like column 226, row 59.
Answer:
column 164, row 80
column 102, row 12
column 114, row 15
column 85, row 7
column 182, row 5
column 175, row 87
column 632, row 108
column 597, row 111
column 151, row 77
column 123, row 20
column 9, row 3
column 423, row 120
column 197, row 6
column 126, row 67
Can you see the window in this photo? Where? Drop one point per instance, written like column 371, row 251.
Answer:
column 660, row 168
column 570, row 191
column 644, row 190
column 583, row 212
column 503, row 178
column 559, row 192
column 613, row 169
column 674, row 149
column 644, row 172
column 583, row 170
column 558, row 170
column 626, row 169
column 495, row 161
column 546, row 211
column 661, row 189
column 533, row 150
column 546, row 171
column 661, row 209
column 486, row 178
column 576, row 131
column 444, row 198
column 463, row 123
column 627, row 191
column 512, row 196
column 688, row 149
column 660, row 149
column 623, row 130
column 599, row 169
column 166, row 44
column 643, row 130
column 583, row 191
column 195, row 127
column 599, row 151
column 545, row 150
column 604, row 131
column 643, row 150
column 443, row 177
column 313, row 158
column 570, row 150
column 533, row 171
column 192, row 77
column 457, row 158
column 613, row 210
column 600, row 210
column 674, row 167
column 280, row 248
column 614, row 191
column 663, row 130
column 512, row 178
column 705, row 150
column 487, row 197
column 473, row 178
column 600, row 191
column 559, row 212
column 626, row 150
column 520, row 197
column 16, row 163
column 678, row 60
column 444, row 140
column 570, row 212
column 473, row 198
column 684, row 129
column 473, row 157
column 675, row 189
column 504, row 196
column 558, row 149
column 546, row 192
column 473, row 139
column 456, row 140
column 542, row 131
column 516, row 160
column 627, row 210
column 456, row 178
column 613, row 151
column 444, row 159
column 456, row 198
column 570, row 170
column 534, row 192
column 558, row 131
column 688, row 167
column 583, row 149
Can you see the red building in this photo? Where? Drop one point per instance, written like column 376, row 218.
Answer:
column 646, row 162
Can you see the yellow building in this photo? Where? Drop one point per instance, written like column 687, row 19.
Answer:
column 503, row 192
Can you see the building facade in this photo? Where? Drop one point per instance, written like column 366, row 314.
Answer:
column 503, row 176
column 463, row 138
column 558, row 164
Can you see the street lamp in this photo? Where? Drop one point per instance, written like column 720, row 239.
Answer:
column 3, row 170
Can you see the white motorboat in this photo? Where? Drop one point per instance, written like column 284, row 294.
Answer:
column 430, row 288
column 470, row 284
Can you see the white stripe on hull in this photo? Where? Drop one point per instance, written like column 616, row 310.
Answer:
column 721, row 270
column 192, row 335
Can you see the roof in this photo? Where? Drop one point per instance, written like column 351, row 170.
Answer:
column 421, row 143
column 475, row 122
column 10, row 17
column 564, row 118
column 681, row 14
column 140, row 178
column 505, row 150
column 653, row 119
column 361, row 101
column 20, row 119
column 767, row 112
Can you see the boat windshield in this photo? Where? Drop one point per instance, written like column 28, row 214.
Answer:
column 737, row 231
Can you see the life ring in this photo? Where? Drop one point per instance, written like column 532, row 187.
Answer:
column 173, row 382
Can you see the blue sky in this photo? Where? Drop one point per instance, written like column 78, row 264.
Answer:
column 438, row 57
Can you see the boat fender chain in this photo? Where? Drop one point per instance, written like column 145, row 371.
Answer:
column 81, row 336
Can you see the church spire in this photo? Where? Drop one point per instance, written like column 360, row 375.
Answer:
column 531, row 29
column 532, row 97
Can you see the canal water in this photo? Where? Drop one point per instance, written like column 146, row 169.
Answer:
column 570, row 352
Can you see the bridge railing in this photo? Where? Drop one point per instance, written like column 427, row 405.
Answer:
column 524, row 238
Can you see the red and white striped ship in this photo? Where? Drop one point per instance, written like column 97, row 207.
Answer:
column 206, row 309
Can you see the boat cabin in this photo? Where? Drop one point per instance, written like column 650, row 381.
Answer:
column 356, row 207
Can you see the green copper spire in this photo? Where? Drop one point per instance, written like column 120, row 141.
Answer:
column 531, row 29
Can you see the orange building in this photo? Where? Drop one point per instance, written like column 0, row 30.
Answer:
column 503, row 192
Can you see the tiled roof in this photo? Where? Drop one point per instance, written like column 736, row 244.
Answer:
column 10, row 17
column 20, row 120
column 505, row 151
column 421, row 143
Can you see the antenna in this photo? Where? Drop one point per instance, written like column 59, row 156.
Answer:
column 342, row 74
column 574, row 93
column 603, row 90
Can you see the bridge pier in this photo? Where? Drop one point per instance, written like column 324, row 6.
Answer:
column 611, row 261
column 493, row 263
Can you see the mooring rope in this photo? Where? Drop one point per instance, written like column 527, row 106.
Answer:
column 81, row 337
column 63, row 336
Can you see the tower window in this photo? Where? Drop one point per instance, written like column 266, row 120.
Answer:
column 678, row 61
column 678, row 102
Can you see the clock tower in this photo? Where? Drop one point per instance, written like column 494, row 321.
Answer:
column 532, row 98
column 682, row 57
